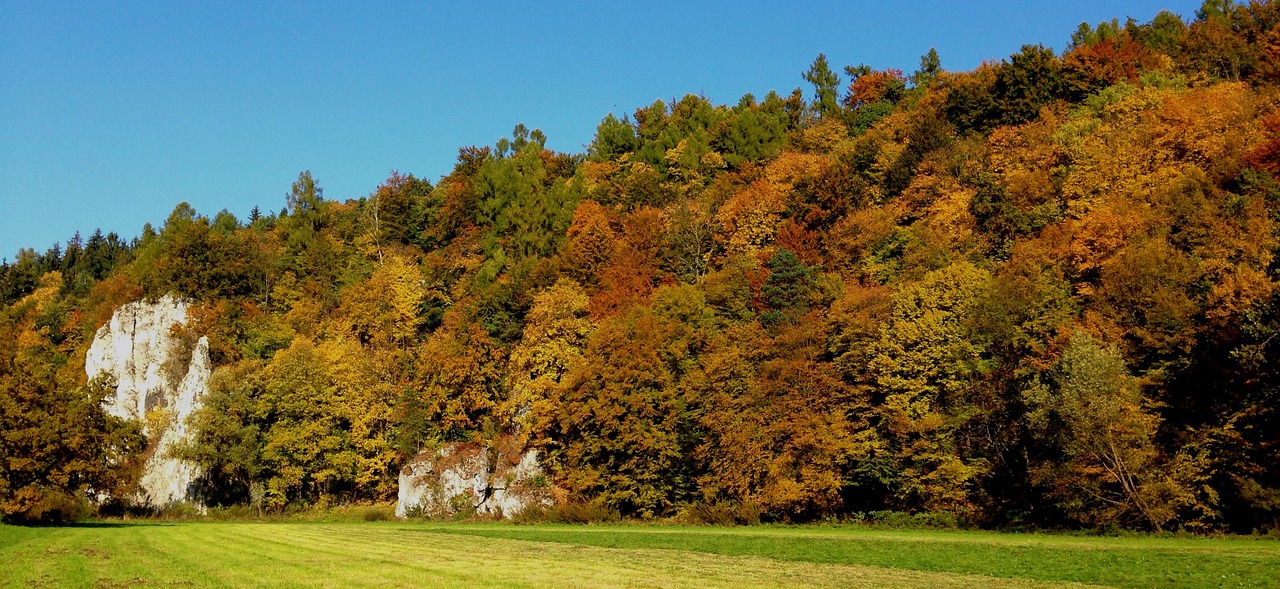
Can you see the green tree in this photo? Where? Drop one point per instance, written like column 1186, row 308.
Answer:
column 1030, row 79
column 1087, row 35
column 1163, row 33
column 526, row 205
column 826, row 87
column 1091, row 411
column 303, row 202
column 613, row 138
column 786, row 290
column 228, row 435
column 752, row 132
column 281, row 424
column 930, row 68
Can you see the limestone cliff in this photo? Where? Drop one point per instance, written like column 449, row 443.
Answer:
column 490, row 479
column 155, row 383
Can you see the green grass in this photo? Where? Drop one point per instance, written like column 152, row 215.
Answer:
column 398, row 554
column 1121, row 562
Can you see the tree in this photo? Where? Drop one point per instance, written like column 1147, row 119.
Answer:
column 1163, row 34
column 61, row 449
column 1107, row 60
column 690, row 237
column 1091, row 411
column 749, row 219
column 786, row 290
column 826, row 84
column 395, row 212
column 622, row 428
column 613, row 138
column 589, row 242
column 279, row 424
column 526, row 203
column 228, row 436
column 1086, row 35
column 1215, row 10
column 924, row 365
column 780, row 428
column 304, row 200
column 971, row 103
column 930, row 68
column 459, row 386
column 58, row 447
column 1028, row 80
column 875, row 88
column 1218, row 44
column 753, row 132
column 385, row 309
column 555, row 335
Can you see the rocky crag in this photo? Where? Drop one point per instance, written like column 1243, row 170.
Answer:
column 159, row 379
column 496, row 479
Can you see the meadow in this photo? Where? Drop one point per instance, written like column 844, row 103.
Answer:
column 401, row 554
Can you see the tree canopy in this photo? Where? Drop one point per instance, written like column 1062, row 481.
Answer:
column 1039, row 293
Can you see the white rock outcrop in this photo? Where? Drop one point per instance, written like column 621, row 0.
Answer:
column 471, row 477
column 138, row 355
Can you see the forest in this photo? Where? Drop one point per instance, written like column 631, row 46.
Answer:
column 1041, row 293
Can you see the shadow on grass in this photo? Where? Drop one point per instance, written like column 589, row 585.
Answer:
column 93, row 524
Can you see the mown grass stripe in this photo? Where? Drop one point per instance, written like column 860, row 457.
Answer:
column 411, row 563
column 1132, row 566
column 398, row 554
column 644, row 564
column 242, row 564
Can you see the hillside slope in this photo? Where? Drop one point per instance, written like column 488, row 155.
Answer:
column 1042, row 292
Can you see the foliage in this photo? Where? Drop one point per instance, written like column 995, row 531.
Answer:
column 1091, row 413
column 1039, row 293
column 59, row 445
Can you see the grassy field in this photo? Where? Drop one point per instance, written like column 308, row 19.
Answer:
column 397, row 554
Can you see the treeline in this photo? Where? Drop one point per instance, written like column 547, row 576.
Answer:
column 1039, row 293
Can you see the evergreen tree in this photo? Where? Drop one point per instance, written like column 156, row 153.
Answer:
column 786, row 290
column 826, row 87
column 930, row 67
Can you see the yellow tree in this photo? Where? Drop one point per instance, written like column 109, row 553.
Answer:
column 590, row 241
column 366, row 383
column 750, row 218
column 385, row 309
column 555, row 335
column 923, row 365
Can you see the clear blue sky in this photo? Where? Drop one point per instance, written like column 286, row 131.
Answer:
column 113, row 112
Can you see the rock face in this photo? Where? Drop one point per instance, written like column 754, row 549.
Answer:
column 489, row 479
column 156, row 384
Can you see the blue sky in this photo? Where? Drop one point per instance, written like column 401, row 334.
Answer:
column 113, row 112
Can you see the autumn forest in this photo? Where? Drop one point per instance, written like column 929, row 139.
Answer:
column 1043, row 293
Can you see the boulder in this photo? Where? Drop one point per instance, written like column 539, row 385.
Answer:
column 495, row 479
column 159, row 380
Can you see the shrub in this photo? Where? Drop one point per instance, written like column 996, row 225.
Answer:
column 417, row 512
column 721, row 513
column 52, row 507
column 568, row 513
column 376, row 513
column 901, row 520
